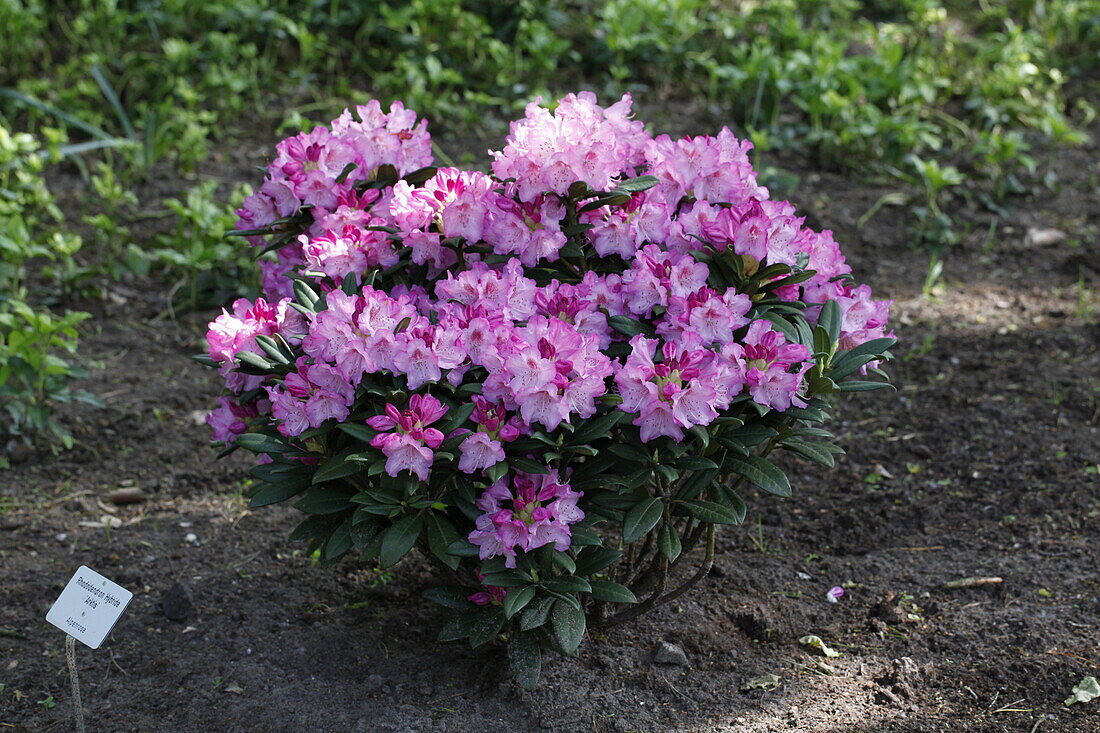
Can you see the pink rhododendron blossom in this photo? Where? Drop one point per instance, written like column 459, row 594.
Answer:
column 655, row 275
column 714, row 169
column 863, row 318
column 538, row 345
column 524, row 514
column 687, row 387
column 578, row 141
column 767, row 360
column 712, row 317
column 229, row 419
column 405, row 436
column 310, row 396
column 485, row 447
column 547, row 371
column 234, row 332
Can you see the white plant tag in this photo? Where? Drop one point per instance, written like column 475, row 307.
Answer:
column 89, row 607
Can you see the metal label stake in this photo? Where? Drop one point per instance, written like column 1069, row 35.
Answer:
column 78, row 706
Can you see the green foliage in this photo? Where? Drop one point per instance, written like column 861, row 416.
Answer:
column 207, row 267
column 33, row 377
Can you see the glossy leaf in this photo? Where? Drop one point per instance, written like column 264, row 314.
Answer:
column 399, row 538
column 568, row 626
column 760, row 473
column 642, row 518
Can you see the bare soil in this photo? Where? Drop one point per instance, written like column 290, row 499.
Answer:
column 982, row 463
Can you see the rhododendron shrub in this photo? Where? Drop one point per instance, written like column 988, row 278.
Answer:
column 556, row 380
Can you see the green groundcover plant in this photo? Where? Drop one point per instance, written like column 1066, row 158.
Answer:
column 35, row 379
column 555, row 381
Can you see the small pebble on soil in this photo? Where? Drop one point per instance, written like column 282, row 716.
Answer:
column 670, row 654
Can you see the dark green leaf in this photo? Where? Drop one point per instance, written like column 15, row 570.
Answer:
column 856, row 386
column 694, row 463
column 781, row 324
column 814, row 451
column 527, row 465
column 459, row 625
column 642, row 518
column 843, row 367
column 562, row 560
column 536, row 614
column 456, row 416
column 568, row 584
column 273, row 349
column 525, row 659
column 830, row 320
column 605, row 590
column 339, row 542
column 761, row 473
column 273, row 492
column 441, row 533
column 496, row 472
column 451, row 596
column 463, row 548
column 635, row 185
column 490, row 620
column 584, row 537
column 505, row 578
column 420, row 175
column 336, row 467
column 364, row 433
column 306, row 295
column 259, row 443
column 874, row 347
column 709, row 511
column 325, row 501
column 314, row 526
column 364, row 528
column 668, row 542
column 695, row 484
column 567, row 623
column 517, row 599
column 255, row 361
column 399, row 538
column 592, row 560
column 629, row 452
column 751, row 435
column 597, row 427
column 728, row 498
column 630, row 327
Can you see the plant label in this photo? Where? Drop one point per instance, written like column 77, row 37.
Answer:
column 89, row 607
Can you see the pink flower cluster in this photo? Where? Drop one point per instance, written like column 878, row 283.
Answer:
column 232, row 333
column 308, row 167
column 467, row 278
column 578, row 141
column 308, row 397
column 484, row 448
column 405, row 436
column 533, row 511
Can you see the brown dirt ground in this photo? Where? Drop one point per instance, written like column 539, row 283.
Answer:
column 986, row 463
